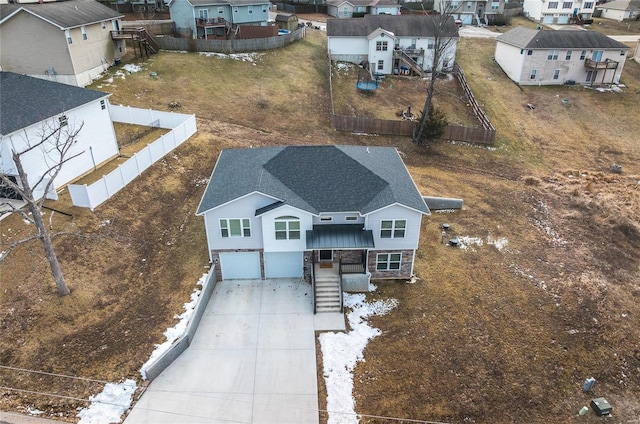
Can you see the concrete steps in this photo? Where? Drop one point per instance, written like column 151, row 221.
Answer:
column 327, row 293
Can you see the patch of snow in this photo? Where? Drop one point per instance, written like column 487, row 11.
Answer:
column 177, row 331
column 132, row 68
column 34, row 411
column 244, row 57
column 544, row 225
column 478, row 146
column 445, row 211
column 497, row 243
column 342, row 351
column 109, row 405
column 466, row 242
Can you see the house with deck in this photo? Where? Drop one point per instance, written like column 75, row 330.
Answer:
column 559, row 11
column 472, row 12
column 392, row 44
column 333, row 216
column 539, row 57
column 67, row 41
column 358, row 8
column 34, row 107
column 206, row 19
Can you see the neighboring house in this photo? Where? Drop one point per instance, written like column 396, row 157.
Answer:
column 305, row 211
column 390, row 43
column 358, row 8
column 558, row 11
column 476, row 12
column 620, row 10
column 67, row 41
column 216, row 18
column 544, row 57
column 31, row 106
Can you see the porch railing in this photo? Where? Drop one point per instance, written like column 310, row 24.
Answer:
column 313, row 282
column 352, row 268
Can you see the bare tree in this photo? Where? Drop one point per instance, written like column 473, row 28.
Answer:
column 54, row 143
column 444, row 30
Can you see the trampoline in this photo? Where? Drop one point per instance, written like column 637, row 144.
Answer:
column 366, row 83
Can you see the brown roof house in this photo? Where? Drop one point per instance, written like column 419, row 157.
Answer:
column 66, row 41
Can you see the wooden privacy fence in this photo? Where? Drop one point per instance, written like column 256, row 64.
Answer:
column 182, row 127
column 359, row 124
column 240, row 45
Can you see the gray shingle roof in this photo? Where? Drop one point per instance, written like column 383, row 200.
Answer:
column 65, row 14
column 315, row 178
column 26, row 100
column 527, row 38
column 227, row 2
column 401, row 26
column 621, row 5
column 372, row 3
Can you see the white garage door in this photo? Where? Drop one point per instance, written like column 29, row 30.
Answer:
column 547, row 19
column 240, row 265
column 283, row 264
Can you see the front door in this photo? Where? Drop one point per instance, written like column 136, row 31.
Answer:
column 325, row 256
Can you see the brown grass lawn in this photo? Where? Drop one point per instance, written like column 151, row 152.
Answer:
column 486, row 335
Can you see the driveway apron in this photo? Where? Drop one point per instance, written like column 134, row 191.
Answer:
column 252, row 360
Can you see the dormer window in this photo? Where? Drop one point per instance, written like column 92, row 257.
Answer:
column 287, row 228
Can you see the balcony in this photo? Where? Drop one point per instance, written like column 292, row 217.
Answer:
column 606, row 64
column 210, row 22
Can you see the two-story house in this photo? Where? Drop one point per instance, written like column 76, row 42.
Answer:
column 358, row 8
column 302, row 211
column 66, row 41
column 33, row 108
column 558, row 11
column 539, row 57
column 216, row 18
column 390, row 43
column 471, row 12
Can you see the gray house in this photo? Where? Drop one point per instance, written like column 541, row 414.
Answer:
column 68, row 41
column 330, row 215
column 216, row 18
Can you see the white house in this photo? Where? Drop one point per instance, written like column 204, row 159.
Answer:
column 390, row 43
column 544, row 57
column 33, row 106
column 620, row 10
column 63, row 41
column 558, row 11
column 308, row 212
column 349, row 8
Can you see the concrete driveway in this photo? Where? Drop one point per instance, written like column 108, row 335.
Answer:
column 252, row 360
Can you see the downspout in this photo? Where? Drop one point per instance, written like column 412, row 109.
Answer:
column 413, row 261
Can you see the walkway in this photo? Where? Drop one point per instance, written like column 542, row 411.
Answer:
column 252, row 360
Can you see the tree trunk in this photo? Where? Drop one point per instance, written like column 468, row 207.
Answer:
column 417, row 136
column 50, row 253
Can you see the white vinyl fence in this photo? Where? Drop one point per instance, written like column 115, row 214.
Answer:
column 182, row 127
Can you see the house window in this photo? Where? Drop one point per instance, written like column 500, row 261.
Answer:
column 203, row 13
column 495, row 5
column 287, row 228
column 567, row 4
column 382, row 46
column 413, row 43
column 236, row 10
column 588, row 5
column 553, row 5
column 68, row 35
column 235, row 227
column 380, row 65
column 430, row 44
column 350, row 218
column 103, row 105
column 220, row 10
column 529, row 52
column 583, row 54
column 62, row 120
column 556, row 74
column 552, row 55
column 568, row 56
column 326, row 218
column 345, row 11
column 388, row 261
column 264, row 8
column 532, row 75
column 103, row 25
column 250, row 9
column 83, row 30
column 393, row 228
